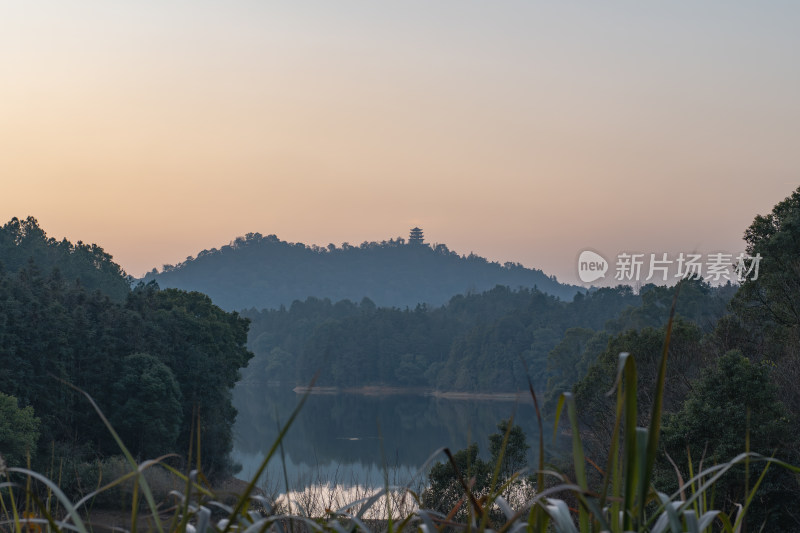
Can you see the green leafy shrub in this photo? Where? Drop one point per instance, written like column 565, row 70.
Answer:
column 19, row 430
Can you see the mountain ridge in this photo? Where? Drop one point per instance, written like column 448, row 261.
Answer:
column 256, row 271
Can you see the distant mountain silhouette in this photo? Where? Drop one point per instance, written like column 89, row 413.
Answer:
column 261, row 272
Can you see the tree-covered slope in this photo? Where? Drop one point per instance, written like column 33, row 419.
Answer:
column 266, row 272
column 152, row 359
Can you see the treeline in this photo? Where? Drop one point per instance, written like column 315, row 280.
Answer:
column 23, row 242
column 266, row 272
column 153, row 360
column 476, row 343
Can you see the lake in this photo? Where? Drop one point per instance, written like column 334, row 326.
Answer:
column 349, row 439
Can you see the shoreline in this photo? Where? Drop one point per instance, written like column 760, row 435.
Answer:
column 378, row 390
column 493, row 396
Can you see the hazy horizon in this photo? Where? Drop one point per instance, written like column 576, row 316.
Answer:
column 520, row 132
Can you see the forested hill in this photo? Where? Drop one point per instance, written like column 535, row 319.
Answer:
column 265, row 272
column 153, row 360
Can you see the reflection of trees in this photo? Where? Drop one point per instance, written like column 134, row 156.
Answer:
column 412, row 426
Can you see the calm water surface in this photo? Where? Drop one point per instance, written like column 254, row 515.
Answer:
column 353, row 439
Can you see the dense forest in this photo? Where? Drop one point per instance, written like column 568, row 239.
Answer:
column 475, row 343
column 266, row 272
column 153, row 360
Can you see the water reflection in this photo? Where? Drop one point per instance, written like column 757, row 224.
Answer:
column 352, row 439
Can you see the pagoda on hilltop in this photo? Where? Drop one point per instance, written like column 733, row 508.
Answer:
column 415, row 236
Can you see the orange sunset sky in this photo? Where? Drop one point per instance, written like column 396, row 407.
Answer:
column 522, row 131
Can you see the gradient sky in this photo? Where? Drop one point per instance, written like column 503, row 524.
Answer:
column 522, row 131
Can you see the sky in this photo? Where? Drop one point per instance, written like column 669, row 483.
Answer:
column 522, row 131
